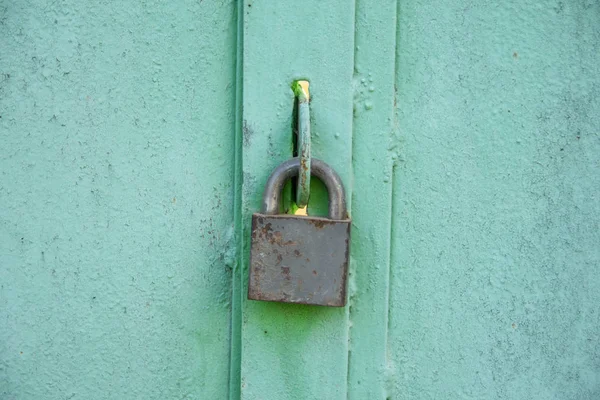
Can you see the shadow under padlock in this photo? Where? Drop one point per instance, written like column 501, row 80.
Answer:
column 300, row 259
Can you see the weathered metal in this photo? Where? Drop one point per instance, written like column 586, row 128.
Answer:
column 289, row 169
column 300, row 259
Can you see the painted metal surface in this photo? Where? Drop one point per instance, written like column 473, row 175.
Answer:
column 277, row 340
column 495, row 284
column 303, row 185
column 465, row 133
column 475, row 167
column 116, row 199
column 374, row 147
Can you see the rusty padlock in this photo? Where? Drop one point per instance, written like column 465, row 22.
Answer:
column 300, row 259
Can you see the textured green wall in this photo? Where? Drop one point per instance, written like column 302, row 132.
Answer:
column 496, row 241
column 116, row 198
column 466, row 134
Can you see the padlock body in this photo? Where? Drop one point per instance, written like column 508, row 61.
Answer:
column 297, row 259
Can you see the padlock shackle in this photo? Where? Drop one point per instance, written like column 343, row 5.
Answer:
column 318, row 168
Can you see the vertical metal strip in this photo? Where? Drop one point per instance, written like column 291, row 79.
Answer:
column 235, row 352
column 372, row 155
column 292, row 351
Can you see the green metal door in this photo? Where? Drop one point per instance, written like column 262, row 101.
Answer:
column 136, row 140
column 467, row 134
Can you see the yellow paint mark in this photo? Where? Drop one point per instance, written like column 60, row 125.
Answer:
column 301, row 211
column 305, row 85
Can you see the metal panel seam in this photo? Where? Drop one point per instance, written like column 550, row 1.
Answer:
column 236, row 280
column 350, row 192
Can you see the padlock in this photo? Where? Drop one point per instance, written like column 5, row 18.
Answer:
column 300, row 259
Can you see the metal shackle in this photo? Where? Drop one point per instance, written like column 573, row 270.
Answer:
column 318, row 168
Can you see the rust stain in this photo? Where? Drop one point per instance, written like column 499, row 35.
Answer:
column 271, row 280
column 275, row 237
column 303, row 165
column 321, row 223
column 266, row 229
